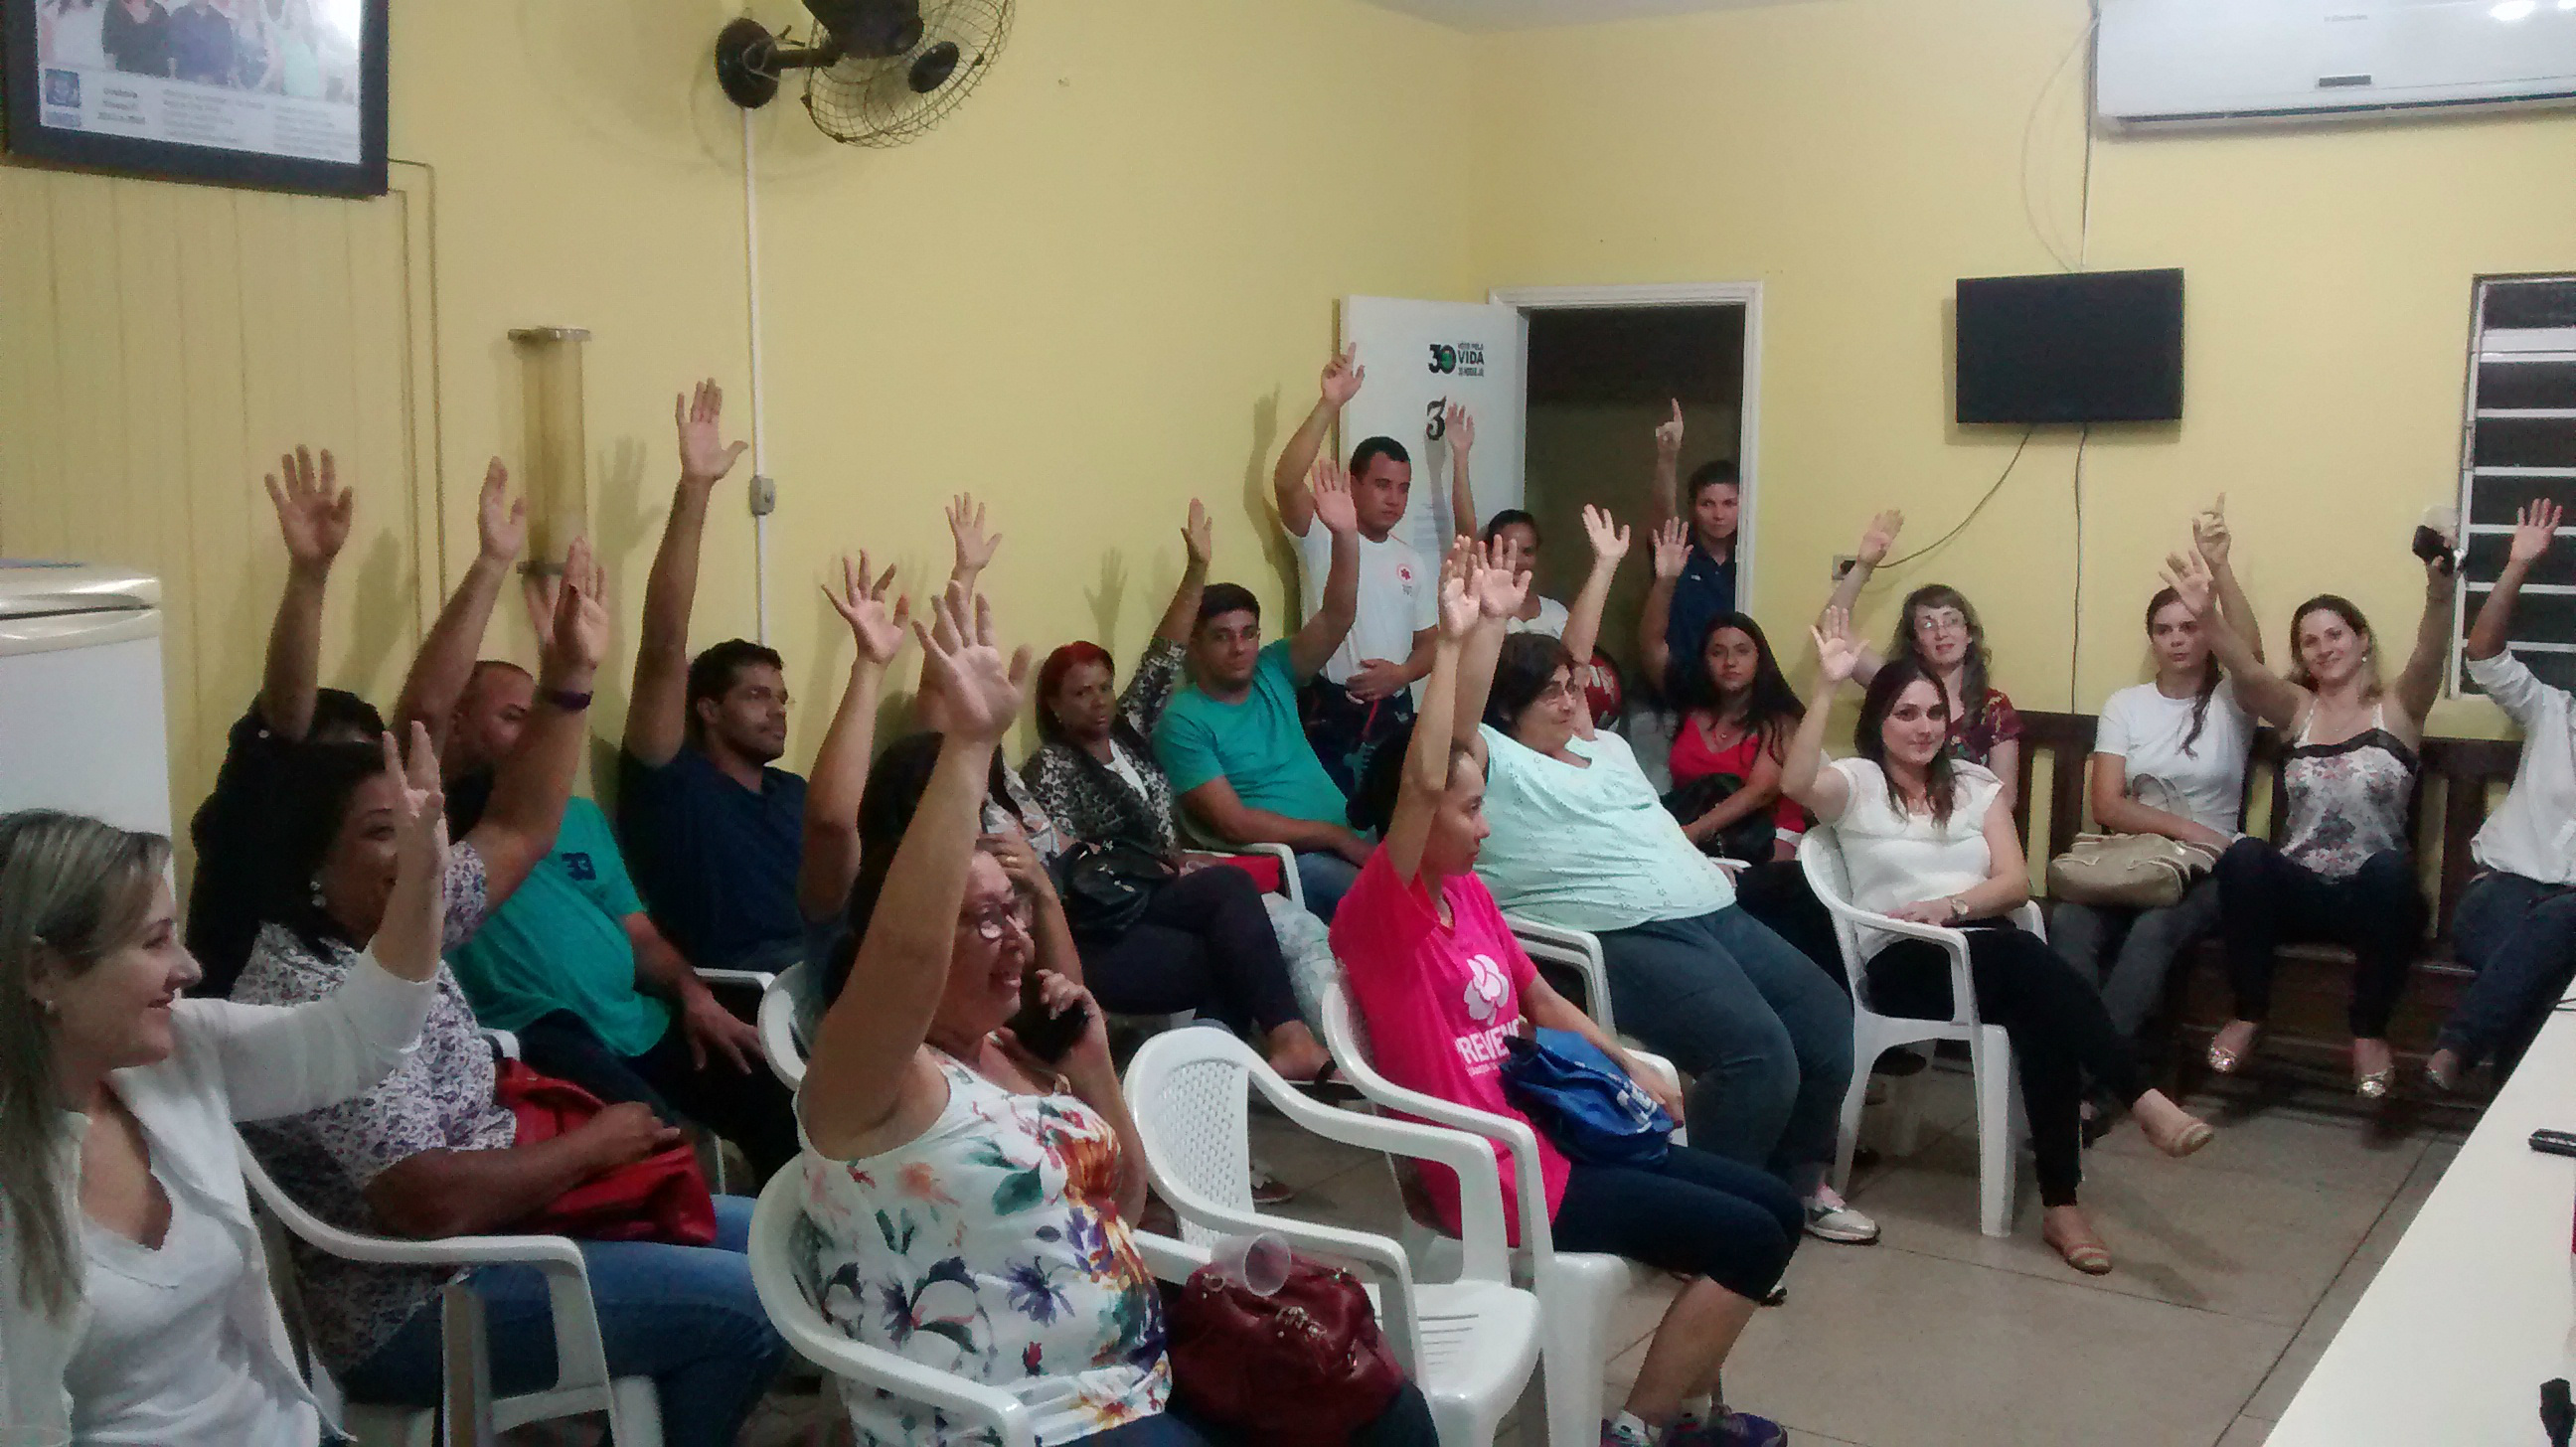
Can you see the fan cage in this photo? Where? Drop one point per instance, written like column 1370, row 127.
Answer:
column 870, row 102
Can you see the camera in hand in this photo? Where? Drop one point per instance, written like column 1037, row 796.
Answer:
column 2434, row 548
column 1048, row 1037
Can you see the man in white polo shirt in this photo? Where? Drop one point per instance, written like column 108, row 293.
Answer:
column 2516, row 923
column 1364, row 692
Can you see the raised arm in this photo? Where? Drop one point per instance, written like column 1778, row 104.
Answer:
column 1461, row 430
column 2532, row 533
column 1664, row 485
column 313, row 513
column 1671, row 544
column 2420, row 683
column 2217, row 547
column 1198, row 545
column 1312, row 645
column 2265, row 694
column 1499, row 595
column 830, row 862
column 1426, row 760
column 867, row 1044
column 1875, row 542
column 657, row 708
column 446, row 658
column 1289, row 479
column 972, row 545
column 1803, row 775
column 1583, row 620
column 519, row 825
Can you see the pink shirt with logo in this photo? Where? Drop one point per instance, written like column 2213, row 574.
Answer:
column 1440, row 1000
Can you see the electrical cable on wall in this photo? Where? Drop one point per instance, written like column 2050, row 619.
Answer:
column 1981, row 503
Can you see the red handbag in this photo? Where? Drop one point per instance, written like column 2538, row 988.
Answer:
column 662, row 1197
column 1302, row 1367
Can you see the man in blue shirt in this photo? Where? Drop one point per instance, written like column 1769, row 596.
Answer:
column 1240, row 765
column 713, row 831
column 1683, row 601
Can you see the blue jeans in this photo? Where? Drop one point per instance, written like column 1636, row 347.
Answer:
column 2520, row 936
column 1326, row 878
column 2128, row 953
column 1695, row 1213
column 1767, row 1037
column 686, row 1316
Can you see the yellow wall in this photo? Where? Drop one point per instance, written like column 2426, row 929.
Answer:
column 1088, row 295
column 1857, row 156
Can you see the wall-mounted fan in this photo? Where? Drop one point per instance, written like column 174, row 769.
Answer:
column 877, row 72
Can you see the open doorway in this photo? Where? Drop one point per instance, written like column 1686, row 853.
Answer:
column 1604, row 371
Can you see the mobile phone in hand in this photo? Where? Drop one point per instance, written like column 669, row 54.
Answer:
column 1048, row 1037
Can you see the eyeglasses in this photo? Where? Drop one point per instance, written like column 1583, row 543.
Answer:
column 993, row 923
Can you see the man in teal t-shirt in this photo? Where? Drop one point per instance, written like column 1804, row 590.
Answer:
column 1237, row 755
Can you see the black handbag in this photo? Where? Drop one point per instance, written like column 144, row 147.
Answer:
column 1107, row 886
column 1748, row 839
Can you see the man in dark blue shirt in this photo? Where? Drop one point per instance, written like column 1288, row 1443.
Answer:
column 713, row 833
column 1691, row 587
column 203, row 45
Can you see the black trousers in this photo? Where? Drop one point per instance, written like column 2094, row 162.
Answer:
column 2060, row 1033
column 750, row 1109
column 2265, row 899
column 1696, row 1213
column 1205, row 944
column 1776, row 892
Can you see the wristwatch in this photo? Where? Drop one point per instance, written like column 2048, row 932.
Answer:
column 1958, row 909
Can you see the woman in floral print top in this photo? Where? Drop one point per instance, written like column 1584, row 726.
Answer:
column 970, row 1204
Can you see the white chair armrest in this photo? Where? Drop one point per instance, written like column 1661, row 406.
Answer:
column 1577, row 950
column 754, row 980
column 504, row 1042
column 1289, row 883
column 1168, row 1259
column 777, row 1023
column 2032, row 919
column 1963, row 990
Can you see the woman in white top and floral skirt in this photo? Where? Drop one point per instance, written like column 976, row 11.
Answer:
column 138, row 1308
column 1930, row 839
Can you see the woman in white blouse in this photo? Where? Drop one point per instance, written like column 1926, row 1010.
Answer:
column 1930, row 840
column 138, row 1308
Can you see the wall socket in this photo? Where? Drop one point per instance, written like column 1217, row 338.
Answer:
column 764, row 495
column 1843, row 564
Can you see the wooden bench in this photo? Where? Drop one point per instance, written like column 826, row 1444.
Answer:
column 2312, row 988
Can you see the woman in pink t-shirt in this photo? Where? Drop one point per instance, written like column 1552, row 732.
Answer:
column 1441, row 983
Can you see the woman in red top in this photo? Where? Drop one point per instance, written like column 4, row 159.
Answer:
column 1441, row 983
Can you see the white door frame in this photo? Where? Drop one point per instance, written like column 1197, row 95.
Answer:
column 1746, row 294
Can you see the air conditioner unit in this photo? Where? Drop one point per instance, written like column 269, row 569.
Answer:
column 2205, row 62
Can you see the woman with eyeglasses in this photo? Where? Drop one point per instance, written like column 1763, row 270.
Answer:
column 1938, row 629
column 971, row 1201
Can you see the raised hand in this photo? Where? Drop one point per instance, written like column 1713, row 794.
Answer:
column 878, row 628
column 1343, row 376
column 1672, row 550
column 1609, row 535
column 1668, row 436
column 1461, row 429
column 500, row 520
column 1837, row 652
column 2187, row 573
column 1461, row 602
column 576, row 635
column 2533, row 531
column 974, row 546
column 2209, row 533
column 1335, row 508
column 1198, row 536
column 1879, row 537
column 420, row 806
column 962, row 663
column 705, row 457
column 313, row 510
column 1501, row 590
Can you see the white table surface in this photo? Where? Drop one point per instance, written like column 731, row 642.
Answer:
column 2472, row 1312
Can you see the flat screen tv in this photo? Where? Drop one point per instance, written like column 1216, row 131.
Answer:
column 2099, row 346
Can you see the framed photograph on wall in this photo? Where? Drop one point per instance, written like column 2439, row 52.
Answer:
column 286, row 94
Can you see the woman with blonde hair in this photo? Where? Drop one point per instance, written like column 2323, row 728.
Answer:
column 138, row 1306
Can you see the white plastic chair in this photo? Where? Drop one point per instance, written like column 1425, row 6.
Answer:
column 1468, row 1344
column 779, row 1257
column 1990, row 1055
column 1578, row 1291
column 582, row 1383
column 779, row 1001
column 1576, row 950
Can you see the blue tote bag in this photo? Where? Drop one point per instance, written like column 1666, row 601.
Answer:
column 1584, row 1101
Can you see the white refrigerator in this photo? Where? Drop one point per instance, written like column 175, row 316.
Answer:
column 81, row 723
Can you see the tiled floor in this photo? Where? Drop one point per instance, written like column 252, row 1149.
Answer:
column 2234, row 1269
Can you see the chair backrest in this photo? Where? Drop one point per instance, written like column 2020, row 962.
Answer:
column 1820, row 855
column 1198, row 1117
column 782, row 1032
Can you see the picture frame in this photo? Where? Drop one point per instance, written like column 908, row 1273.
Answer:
column 278, row 94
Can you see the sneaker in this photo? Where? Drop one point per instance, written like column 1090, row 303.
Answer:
column 1840, row 1224
column 1615, row 1435
column 1731, row 1429
column 1269, row 1190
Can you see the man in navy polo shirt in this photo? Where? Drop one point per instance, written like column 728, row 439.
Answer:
column 1678, row 608
column 711, row 831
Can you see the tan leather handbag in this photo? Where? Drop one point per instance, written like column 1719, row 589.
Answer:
column 2129, row 871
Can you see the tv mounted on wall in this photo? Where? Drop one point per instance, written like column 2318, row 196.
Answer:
column 287, row 94
column 2099, row 346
